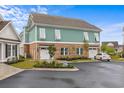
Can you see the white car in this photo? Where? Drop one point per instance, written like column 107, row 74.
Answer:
column 103, row 57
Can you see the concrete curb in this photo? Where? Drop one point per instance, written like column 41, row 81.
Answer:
column 95, row 61
column 55, row 69
column 9, row 75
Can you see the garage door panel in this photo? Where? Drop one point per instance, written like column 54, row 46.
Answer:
column 44, row 54
column 92, row 52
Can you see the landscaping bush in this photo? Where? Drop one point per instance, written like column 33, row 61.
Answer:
column 115, row 56
column 21, row 58
column 52, row 64
column 73, row 58
column 85, row 58
column 63, row 58
column 28, row 56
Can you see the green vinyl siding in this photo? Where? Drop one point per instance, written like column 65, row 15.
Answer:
column 71, row 35
column 32, row 35
column 27, row 37
column 67, row 35
column 50, row 34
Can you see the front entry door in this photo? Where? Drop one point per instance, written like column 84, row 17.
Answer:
column 44, row 53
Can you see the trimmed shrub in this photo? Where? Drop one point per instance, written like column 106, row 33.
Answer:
column 115, row 57
column 52, row 64
column 21, row 58
column 68, row 58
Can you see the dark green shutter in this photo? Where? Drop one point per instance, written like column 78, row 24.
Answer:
column 6, row 51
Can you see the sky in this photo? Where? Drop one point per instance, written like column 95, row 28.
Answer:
column 109, row 18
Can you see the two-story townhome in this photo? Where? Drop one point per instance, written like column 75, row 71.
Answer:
column 66, row 34
column 9, row 41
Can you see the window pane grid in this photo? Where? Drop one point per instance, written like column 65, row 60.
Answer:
column 57, row 34
column 42, row 33
column 96, row 36
column 64, row 51
column 86, row 36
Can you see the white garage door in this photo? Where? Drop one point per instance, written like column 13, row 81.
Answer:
column 92, row 52
column 44, row 54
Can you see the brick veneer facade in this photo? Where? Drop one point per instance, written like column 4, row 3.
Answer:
column 34, row 49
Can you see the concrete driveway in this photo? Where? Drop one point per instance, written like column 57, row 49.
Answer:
column 90, row 75
column 7, row 71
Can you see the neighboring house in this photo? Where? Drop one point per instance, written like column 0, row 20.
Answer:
column 9, row 40
column 66, row 34
column 113, row 44
column 120, row 48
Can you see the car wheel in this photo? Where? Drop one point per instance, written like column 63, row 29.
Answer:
column 109, row 60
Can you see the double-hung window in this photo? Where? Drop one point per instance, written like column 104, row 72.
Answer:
column 96, row 36
column 86, row 37
column 11, row 50
column 57, row 34
column 64, row 51
column 42, row 33
column 79, row 51
column 8, row 50
column 14, row 50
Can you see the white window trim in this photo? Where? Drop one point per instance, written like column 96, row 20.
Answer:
column 79, row 49
column 11, row 45
column 86, row 36
column 42, row 33
column 64, row 52
column 57, row 34
column 96, row 36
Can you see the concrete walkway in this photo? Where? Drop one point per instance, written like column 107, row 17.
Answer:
column 7, row 71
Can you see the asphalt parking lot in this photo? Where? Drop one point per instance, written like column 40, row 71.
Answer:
column 90, row 75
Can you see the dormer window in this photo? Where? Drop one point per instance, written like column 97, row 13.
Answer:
column 42, row 33
column 96, row 36
column 86, row 37
column 57, row 34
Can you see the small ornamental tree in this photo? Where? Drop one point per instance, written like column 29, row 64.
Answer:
column 51, row 50
column 107, row 49
column 110, row 50
column 85, row 49
column 103, row 48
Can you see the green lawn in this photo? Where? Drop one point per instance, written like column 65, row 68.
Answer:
column 26, row 64
column 117, row 58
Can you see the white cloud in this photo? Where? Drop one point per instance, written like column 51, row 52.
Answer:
column 19, row 16
column 39, row 9
column 112, row 32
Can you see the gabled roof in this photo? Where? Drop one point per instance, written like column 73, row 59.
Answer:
column 3, row 24
column 62, row 21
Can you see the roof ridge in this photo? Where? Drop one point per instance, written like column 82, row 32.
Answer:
column 59, row 16
column 59, row 20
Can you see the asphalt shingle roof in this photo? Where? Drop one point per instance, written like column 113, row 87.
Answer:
column 3, row 24
column 62, row 21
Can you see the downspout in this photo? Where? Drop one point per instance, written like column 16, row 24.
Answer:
column 24, row 41
column 36, row 43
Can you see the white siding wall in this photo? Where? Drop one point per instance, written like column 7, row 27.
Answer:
column 8, row 33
